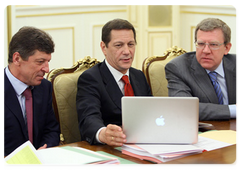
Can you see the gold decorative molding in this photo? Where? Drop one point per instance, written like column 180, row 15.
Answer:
column 69, row 13
column 86, row 62
column 207, row 13
column 27, row 4
column 169, row 54
column 192, row 36
column 173, row 51
column 9, row 23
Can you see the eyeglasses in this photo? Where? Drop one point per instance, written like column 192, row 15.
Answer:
column 212, row 46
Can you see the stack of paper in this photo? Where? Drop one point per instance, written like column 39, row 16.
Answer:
column 137, row 152
column 207, row 141
column 27, row 154
column 159, row 153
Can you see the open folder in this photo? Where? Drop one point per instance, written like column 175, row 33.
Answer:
column 27, row 154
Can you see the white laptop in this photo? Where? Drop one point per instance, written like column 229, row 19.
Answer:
column 160, row 120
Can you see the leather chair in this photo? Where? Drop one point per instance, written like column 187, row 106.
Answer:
column 64, row 81
column 154, row 70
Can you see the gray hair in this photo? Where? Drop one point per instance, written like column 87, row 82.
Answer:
column 210, row 24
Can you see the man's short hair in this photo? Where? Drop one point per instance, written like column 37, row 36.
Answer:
column 29, row 39
column 116, row 24
column 210, row 24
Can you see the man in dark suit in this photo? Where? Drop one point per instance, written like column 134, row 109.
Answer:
column 100, row 88
column 29, row 53
column 190, row 73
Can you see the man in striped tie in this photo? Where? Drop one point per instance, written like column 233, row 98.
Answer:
column 209, row 73
column 101, row 87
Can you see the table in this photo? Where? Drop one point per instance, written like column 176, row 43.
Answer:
column 225, row 155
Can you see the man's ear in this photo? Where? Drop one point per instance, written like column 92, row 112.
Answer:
column 103, row 47
column 228, row 47
column 16, row 58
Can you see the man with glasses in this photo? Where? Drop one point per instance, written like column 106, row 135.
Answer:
column 209, row 73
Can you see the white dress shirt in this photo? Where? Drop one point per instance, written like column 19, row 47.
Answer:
column 117, row 76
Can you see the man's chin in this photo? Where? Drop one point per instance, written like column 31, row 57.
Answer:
column 126, row 64
column 37, row 82
column 207, row 66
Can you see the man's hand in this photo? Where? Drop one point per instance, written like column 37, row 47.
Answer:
column 112, row 135
column 43, row 147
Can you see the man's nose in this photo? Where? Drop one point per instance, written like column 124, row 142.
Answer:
column 45, row 67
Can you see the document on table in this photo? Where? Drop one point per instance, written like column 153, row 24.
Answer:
column 27, row 154
column 204, row 143
column 71, row 156
column 161, row 149
column 227, row 136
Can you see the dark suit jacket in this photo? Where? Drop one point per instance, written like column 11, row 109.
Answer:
column 186, row 77
column 45, row 125
column 99, row 99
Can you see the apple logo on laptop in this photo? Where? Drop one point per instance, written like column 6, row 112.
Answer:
column 160, row 121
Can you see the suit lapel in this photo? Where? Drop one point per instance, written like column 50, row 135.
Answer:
column 230, row 76
column 37, row 103
column 12, row 104
column 135, row 84
column 111, row 85
column 201, row 78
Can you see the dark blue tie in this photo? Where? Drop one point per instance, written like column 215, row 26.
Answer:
column 213, row 77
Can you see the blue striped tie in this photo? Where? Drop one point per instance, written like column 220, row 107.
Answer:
column 213, row 77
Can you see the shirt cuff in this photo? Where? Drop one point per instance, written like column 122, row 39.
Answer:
column 232, row 109
column 97, row 135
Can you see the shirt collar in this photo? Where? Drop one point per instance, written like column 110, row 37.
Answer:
column 18, row 86
column 116, row 74
column 219, row 70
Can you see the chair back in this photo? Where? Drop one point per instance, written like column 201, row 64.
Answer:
column 64, row 81
column 154, row 70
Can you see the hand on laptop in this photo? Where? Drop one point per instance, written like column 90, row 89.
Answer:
column 112, row 135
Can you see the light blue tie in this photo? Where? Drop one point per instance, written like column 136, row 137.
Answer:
column 213, row 77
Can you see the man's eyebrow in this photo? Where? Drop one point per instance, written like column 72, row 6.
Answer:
column 42, row 59
column 117, row 42
column 37, row 59
column 132, row 41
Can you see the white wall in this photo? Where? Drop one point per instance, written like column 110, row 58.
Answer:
column 190, row 16
column 76, row 30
